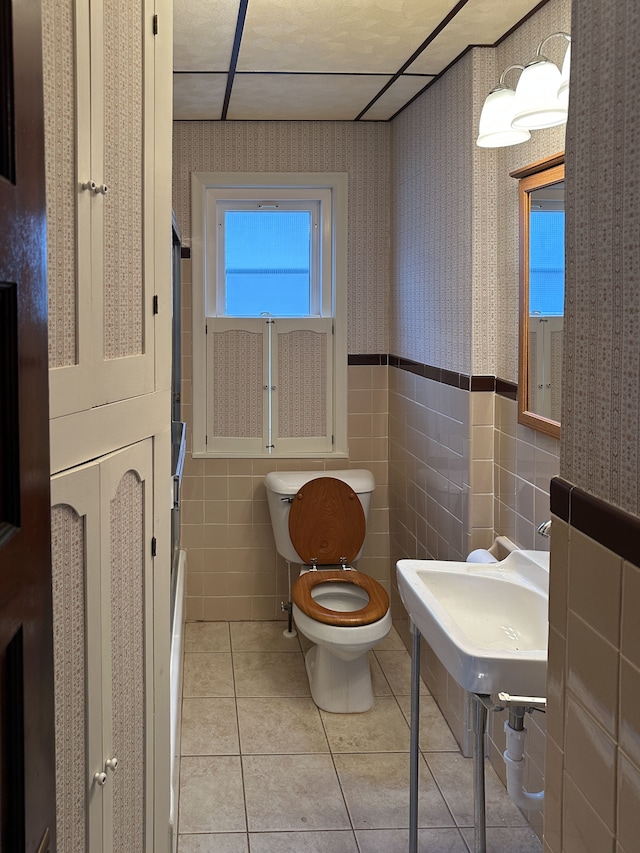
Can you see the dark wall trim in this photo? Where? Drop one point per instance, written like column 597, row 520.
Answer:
column 439, row 374
column 615, row 529
column 374, row 358
column 506, row 389
column 185, row 252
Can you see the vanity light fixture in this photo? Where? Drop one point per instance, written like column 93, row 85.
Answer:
column 540, row 100
column 495, row 129
column 536, row 104
column 563, row 91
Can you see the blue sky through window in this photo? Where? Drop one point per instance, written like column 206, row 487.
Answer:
column 267, row 263
column 546, row 263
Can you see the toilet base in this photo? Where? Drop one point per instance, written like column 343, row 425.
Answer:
column 339, row 686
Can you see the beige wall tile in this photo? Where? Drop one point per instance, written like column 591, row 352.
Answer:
column 553, row 796
column 595, row 578
column 194, row 608
column 556, row 685
column 590, row 761
column 628, row 801
column 592, row 673
column 630, row 629
column 629, row 722
column 559, row 576
column 582, row 829
column 195, row 584
column 360, row 376
column 227, row 608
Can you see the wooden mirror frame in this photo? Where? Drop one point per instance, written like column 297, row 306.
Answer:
column 530, row 178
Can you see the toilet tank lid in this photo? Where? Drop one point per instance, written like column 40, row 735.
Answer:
column 290, row 482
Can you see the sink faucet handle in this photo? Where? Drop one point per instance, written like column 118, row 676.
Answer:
column 544, row 529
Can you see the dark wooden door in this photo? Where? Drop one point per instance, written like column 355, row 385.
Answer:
column 27, row 763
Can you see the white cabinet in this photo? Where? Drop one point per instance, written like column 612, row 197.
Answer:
column 108, row 96
column 103, row 590
column 101, row 129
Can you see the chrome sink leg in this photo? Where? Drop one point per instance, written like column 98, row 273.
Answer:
column 480, row 817
column 414, row 752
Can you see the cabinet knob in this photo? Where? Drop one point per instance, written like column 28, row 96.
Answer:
column 98, row 189
column 111, row 764
column 100, row 778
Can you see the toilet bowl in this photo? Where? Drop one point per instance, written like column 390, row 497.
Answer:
column 319, row 522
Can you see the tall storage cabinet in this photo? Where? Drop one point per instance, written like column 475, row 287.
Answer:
column 100, row 111
column 108, row 95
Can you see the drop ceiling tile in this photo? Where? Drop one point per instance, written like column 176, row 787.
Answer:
column 203, row 34
column 397, row 95
column 302, row 96
column 324, row 36
column 479, row 22
column 198, row 96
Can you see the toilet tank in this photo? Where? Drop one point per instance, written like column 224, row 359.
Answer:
column 283, row 485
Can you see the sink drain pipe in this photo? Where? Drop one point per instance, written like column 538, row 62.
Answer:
column 513, row 755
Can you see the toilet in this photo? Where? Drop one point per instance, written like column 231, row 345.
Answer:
column 319, row 522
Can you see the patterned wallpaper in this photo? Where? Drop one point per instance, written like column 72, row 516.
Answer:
column 455, row 213
column 432, row 222
column 488, row 309
column 60, row 164
column 128, row 627
column 602, row 350
column 68, row 568
column 363, row 150
column 124, row 217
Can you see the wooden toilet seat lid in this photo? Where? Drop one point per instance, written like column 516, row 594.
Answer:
column 326, row 522
column 374, row 610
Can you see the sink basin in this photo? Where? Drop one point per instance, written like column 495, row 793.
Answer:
column 486, row 622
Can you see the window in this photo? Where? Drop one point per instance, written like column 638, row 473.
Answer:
column 268, row 260
column 546, row 261
column 269, row 325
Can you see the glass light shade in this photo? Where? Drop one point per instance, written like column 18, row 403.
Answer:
column 563, row 91
column 495, row 129
column 536, row 99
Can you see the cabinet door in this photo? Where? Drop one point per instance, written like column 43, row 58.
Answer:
column 67, row 107
column 100, row 115
column 102, row 519
column 77, row 639
column 122, row 145
column 127, row 660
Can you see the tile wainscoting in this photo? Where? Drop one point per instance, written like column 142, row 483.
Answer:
column 593, row 725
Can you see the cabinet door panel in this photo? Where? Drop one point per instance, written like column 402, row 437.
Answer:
column 102, row 518
column 127, row 501
column 75, row 532
column 65, row 34
column 100, row 118
column 123, row 105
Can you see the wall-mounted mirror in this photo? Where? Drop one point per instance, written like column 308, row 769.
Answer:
column 541, row 197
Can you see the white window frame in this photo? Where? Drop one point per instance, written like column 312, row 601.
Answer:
column 331, row 189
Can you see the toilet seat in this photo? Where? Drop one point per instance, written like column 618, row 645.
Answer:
column 373, row 610
column 327, row 527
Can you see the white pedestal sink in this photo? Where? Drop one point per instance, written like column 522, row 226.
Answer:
column 486, row 622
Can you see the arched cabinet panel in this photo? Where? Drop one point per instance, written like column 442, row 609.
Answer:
column 102, row 516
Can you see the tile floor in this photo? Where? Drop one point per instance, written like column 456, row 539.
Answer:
column 263, row 770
